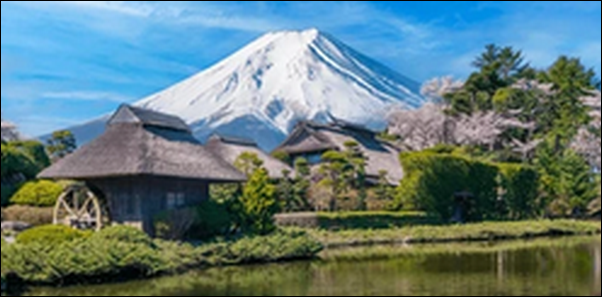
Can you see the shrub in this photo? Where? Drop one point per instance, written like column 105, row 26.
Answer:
column 7, row 192
column 33, row 216
column 174, row 224
column 212, row 219
column 50, row 235
column 120, row 253
column 40, row 193
column 521, row 189
column 259, row 204
column 432, row 181
column 123, row 234
column 27, row 158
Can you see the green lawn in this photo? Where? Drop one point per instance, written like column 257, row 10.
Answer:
column 455, row 233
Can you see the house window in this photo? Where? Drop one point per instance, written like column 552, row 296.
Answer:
column 176, row 200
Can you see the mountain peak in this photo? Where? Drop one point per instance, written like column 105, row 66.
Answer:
column 264, row 89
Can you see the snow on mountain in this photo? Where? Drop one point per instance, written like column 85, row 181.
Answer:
column 264, row 89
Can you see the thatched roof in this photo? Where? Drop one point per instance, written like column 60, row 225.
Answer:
column 309, row 138
column 127, row 114
column 148, row 144
column 231, row 148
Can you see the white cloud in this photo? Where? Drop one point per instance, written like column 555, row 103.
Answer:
column 88, row 96
column 171, row 13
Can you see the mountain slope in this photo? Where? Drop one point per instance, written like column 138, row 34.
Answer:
column 264, row 89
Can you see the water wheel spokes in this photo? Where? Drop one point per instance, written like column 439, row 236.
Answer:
column 78, row 208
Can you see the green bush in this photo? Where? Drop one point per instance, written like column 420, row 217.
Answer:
column 520, row 186
column 120, row 253
column 174, row 224
column 50, row 235
column 41, row 193
column 26, row 158
column 123, row 234
column 212, row 219
column 259, row 204
column 433, row 180
column 35, row 216
column 7, row 192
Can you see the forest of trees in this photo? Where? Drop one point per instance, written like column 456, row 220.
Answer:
column 510, row 112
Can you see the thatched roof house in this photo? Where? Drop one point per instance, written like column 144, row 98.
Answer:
column 145, row 163
column 311, row 140
column 230, row 149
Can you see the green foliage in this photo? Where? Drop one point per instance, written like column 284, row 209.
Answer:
column 520, row 185
column 34, row 216
column 282, row 156
column 565, row 113
column 384, row 191
column 364, row 220
column 567, row 182
column 50, row 235
column 285, row 192
column 334, row 169
column 433, row 181
column 259, row 204
column 18, row 159
column 497, row 68
column 21, row 160
column 489, row 231
column 345, row 173
column 120, row 253
column 41, row 193
column 212, row 219
column 224, row 193
column 61, row 144
column 123, row 234
column 248, row 163
column 174, row 224
column 301, row 185
column 7, row 192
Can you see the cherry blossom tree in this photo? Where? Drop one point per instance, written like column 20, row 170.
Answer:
column 420, row 129
column 435, row 89
column 587, row 142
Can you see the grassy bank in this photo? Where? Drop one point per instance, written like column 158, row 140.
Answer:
column 118, row 254
column 369, row 220
column 384, row 252
column 456, row 233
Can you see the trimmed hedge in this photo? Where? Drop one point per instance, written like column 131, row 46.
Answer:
column 50, row 235
column 433, row 180
column 41, row 193
column 521, row 188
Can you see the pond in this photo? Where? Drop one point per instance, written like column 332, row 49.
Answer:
column 568, row 267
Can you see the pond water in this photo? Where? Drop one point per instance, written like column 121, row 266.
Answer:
column 567, row 267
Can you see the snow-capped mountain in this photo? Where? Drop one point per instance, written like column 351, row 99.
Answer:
column 263, row 90
column 9, row 131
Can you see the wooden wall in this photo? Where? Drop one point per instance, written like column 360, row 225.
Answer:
column 135, row 201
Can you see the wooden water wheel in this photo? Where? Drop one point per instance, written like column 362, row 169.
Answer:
column 79, row 208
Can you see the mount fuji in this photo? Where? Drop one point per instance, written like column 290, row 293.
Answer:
column 264, row 89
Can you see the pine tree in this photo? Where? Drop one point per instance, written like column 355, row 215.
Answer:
column 259, row 203
column 248, row 163
column 61, row 144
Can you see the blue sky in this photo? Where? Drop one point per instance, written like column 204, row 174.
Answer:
column 65, row 62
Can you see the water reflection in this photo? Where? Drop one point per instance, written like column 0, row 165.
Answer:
column 551, row 268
